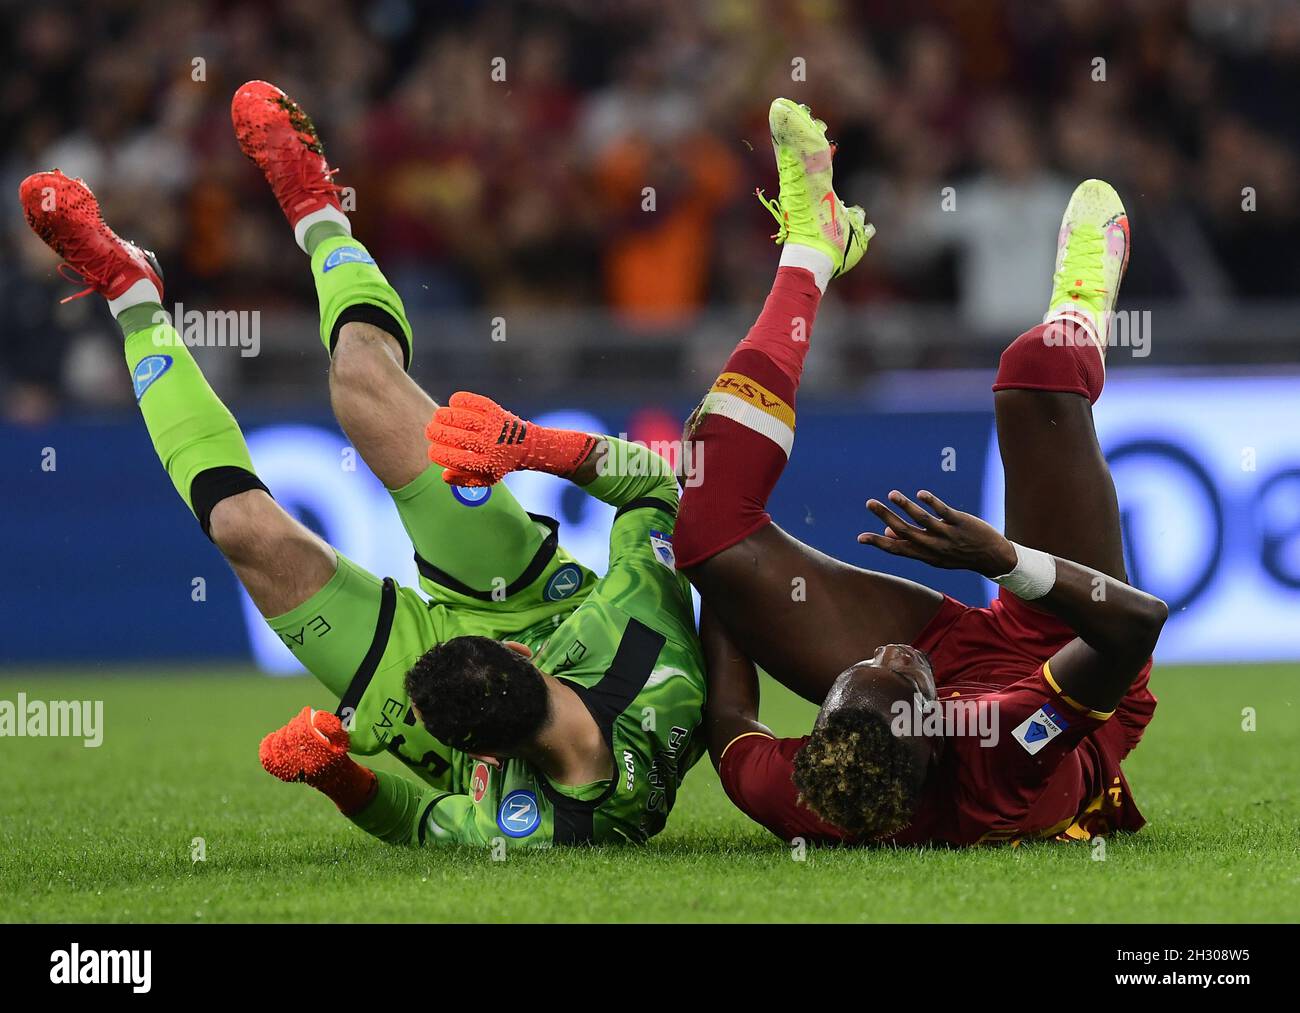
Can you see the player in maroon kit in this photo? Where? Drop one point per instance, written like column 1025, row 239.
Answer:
column 939, row 723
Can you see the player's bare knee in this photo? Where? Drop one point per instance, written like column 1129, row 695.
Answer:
column 362, row 354
column 240, row 524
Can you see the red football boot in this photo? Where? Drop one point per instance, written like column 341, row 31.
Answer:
column 281, row 140
column 65, row 214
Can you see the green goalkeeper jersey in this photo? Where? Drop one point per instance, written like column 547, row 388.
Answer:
column 628, row 649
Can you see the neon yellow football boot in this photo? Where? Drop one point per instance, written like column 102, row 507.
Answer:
column 808, row 211
column 1091, row 256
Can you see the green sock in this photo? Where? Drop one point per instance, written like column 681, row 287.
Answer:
column 191, row 429
column 395, row 813
column 351, row 287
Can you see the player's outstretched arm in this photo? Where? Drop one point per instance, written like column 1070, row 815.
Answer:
column 478, row 443
column 1117, row 624
column 732, row 708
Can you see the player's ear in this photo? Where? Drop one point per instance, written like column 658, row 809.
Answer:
column 519, row 648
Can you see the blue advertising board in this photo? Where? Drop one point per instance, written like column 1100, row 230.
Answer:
column 103, row 563
column 1208, row 475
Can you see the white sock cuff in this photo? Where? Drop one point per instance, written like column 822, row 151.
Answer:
column 328, row 213
column 810, row 259
column 1080, row 316
column 141, row 291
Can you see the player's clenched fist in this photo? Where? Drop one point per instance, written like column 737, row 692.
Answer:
column 478, row 443
column 313, row 748
column 305, row 749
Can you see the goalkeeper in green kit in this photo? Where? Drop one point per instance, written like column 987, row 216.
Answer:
column 537, row 704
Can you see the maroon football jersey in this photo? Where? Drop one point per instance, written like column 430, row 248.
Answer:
column 1033, row 765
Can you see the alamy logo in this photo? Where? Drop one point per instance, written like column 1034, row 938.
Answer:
column 75, row 966
column 240, row 329
column 66, row 719
column 949, row 718
column 627, row 458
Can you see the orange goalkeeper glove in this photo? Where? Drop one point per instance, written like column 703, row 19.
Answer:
column 478, row 443
column 313, row 747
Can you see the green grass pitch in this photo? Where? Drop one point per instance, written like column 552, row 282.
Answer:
column 104, row 834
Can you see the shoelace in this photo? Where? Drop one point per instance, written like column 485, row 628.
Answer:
column 95, row 272
column 782, row 216
column 325, row 184
column 303, row 179
column 777, row 209
column 782, row 219
column 1082, row 253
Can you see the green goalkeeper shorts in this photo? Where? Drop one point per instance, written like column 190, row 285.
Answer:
column 487, row 567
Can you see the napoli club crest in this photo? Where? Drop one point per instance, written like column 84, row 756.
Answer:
column 564, row 583
column 471, row 495
column 519, row 815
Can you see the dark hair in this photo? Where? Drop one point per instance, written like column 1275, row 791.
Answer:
column 477, row 695
column 855, row 773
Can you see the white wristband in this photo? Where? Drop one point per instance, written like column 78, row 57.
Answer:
column 1034, row 574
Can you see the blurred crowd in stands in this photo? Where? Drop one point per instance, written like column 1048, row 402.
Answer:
column 535, row 156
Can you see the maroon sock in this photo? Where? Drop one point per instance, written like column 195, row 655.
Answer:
column 1056, row 356
column 744, row 428
column 783, row 330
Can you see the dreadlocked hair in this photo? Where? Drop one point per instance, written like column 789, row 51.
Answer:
column 855, row 773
